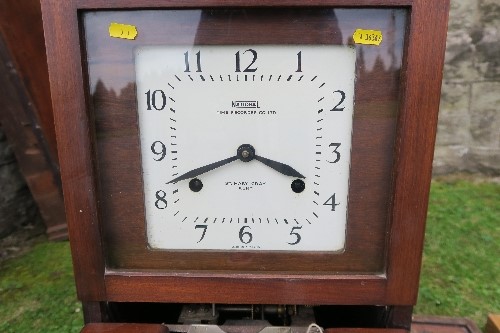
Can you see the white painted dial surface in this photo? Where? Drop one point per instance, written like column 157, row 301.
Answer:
column 292, row 103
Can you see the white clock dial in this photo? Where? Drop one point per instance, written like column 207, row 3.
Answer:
column 201, row 111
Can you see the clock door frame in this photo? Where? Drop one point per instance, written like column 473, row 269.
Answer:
column 420, row 85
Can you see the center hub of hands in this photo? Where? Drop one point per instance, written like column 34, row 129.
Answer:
column 246, row 152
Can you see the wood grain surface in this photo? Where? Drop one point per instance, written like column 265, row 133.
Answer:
column 124, row 328
column 393, row 139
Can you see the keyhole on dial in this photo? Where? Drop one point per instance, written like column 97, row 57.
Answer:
column 298, row 185
column 195, row 185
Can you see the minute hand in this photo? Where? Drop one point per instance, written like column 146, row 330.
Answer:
column 280, row 167
column 198, row 171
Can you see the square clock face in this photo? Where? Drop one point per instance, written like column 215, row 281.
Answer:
column 246, row 147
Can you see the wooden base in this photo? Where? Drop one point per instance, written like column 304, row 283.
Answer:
column 427, row 324
column 366, row 330
column 150, row 328
column 421, row 324
column 124, row 328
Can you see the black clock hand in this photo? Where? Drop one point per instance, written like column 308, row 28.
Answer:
column 247, row 153
column 244, row 153
column 203, row 169
column 280, row 167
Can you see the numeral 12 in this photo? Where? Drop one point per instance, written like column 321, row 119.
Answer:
column 248, row 69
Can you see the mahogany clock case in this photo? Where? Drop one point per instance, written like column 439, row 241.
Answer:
column 396, row 100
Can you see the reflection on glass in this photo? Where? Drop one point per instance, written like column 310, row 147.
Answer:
column 112, row 87
column 110, row 60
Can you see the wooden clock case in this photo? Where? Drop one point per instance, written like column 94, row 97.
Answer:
column 375, row 280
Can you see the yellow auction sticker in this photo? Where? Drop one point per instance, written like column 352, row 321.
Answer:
column 367, row 37
column 125, row 31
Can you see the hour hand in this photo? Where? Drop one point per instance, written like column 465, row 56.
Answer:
column 280, row 167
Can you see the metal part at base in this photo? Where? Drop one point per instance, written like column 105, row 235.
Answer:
column 213, row 314
column 245, row 327
column 198, row 314
column 255, row 317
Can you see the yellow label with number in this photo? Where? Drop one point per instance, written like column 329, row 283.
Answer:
column 125, row 31
column 367, row 37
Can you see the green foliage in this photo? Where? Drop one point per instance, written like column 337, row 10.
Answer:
column 460, row 275
column 37, row 292
column 461, row 265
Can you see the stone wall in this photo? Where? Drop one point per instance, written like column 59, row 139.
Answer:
column 17, row 207
column 468, row 137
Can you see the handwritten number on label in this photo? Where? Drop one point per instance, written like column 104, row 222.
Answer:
column 370, row 37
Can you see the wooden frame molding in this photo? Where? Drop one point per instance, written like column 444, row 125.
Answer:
column 420, row 84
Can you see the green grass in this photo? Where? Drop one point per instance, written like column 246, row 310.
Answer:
column 460, row 275
column 37, row 292
column 461, row 265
